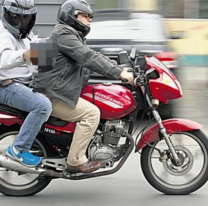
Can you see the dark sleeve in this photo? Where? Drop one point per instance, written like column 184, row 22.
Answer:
column 70, row 45
column 86, row 76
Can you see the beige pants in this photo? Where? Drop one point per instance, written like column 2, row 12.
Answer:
column 87, row 117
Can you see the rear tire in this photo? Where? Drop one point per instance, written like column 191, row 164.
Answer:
column 12, row 183
column 166, row 176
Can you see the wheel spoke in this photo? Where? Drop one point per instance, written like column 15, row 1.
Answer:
column 17, row 183
column 165, row 175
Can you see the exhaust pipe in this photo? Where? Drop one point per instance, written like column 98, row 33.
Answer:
column 12, row 165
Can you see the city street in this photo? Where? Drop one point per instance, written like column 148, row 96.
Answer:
column 174, row 32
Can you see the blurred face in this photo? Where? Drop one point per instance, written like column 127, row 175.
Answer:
column 84, row 18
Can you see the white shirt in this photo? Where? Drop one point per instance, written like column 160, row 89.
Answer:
column 12, row 65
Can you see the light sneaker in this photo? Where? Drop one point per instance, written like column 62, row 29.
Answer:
column 25, row 158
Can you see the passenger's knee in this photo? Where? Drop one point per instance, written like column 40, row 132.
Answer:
column 48, row 106
column 45, row 106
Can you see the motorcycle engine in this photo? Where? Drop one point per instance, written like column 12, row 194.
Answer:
column 104, row 145
column 113, row 130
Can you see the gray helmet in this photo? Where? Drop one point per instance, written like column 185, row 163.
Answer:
column 19, row 16
column 68, row 12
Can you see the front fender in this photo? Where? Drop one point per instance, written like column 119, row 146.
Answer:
column 171, row 125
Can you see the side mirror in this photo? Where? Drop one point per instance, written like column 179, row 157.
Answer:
column 133, row 53
column 123, row 59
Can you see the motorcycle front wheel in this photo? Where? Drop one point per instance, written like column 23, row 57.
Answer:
column 18, row 184
column 161, row 171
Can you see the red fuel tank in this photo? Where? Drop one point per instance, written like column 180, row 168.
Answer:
column 114, row 101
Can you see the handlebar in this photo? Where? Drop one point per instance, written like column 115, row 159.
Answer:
column 134, row 66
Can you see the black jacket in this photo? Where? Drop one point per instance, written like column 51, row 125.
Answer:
column 64, row 81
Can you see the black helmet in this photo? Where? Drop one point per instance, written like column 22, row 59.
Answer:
column 18, row 16
column 68, row 12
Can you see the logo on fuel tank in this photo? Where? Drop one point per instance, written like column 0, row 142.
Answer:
column 105, row 100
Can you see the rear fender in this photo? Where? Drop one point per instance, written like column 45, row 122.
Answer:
column 172, row 125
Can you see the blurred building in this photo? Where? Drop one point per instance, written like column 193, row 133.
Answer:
column 187, row 20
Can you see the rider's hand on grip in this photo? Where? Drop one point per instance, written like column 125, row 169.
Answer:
column 127, row 75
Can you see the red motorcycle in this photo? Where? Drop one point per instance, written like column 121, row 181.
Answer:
column 174, row 152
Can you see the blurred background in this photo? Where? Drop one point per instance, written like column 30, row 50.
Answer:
column 186, row 31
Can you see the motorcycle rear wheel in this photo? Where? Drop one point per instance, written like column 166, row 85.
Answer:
column 165, row 176
column 12, row 183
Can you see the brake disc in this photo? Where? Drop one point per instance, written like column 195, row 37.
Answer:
column 186, row 158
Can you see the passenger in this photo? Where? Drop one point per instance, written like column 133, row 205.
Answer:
column 18, row 18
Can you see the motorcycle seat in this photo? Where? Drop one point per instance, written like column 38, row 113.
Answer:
column 13, row 111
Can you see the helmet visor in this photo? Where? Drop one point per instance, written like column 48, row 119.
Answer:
column 76, row 12
column 20, row 21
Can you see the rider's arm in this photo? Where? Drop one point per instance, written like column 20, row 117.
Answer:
column 71, row 46
column 9, row 56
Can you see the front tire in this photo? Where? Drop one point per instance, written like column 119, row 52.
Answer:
column 167, row 177
column 12, row 183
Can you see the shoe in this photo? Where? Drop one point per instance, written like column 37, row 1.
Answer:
column 87, row 167
column 25, row 158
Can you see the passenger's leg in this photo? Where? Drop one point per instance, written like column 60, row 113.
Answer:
column 39, row 107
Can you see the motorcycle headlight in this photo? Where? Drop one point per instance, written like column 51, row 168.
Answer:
column 168, row 81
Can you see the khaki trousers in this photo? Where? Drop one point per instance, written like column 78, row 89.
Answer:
column 87, row 117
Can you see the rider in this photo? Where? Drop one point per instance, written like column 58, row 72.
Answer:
column 63, row 84
column 18, row 18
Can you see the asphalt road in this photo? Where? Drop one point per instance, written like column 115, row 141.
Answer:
column 126, row 187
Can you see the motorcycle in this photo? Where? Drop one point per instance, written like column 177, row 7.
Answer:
column 174, row 152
